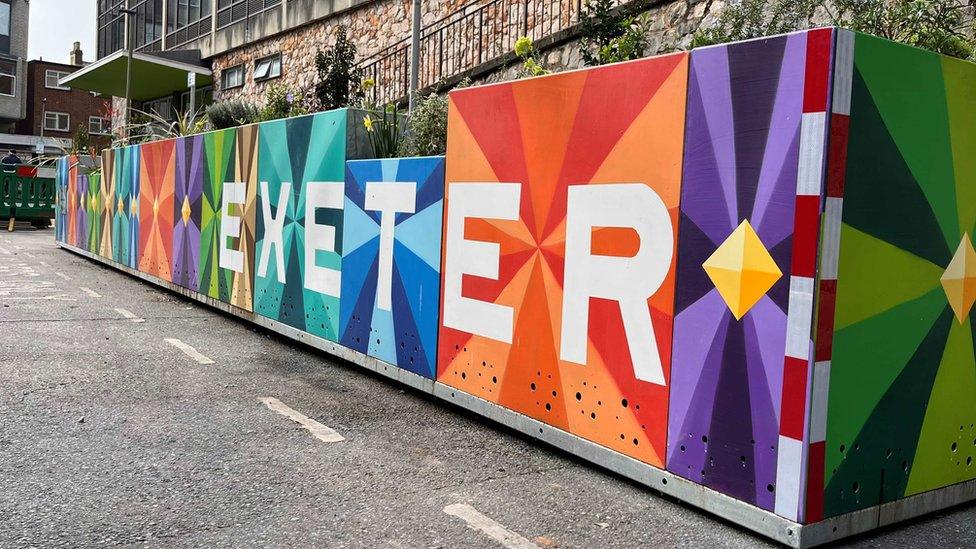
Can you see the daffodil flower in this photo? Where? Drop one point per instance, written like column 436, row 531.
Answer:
column 368, row 122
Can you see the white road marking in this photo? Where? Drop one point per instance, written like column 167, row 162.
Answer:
column 189, row 351
column 62, row 275
column 90, row 292
column 488, row 527
column 319, row 431
column 61, row 297
column 129, row 315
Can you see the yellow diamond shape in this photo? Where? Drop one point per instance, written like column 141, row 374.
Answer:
column 959, row 279
column 94, row 203
column 133, row 208
column 155, row 207
column 742, row 270
column 185, row 210
column 121, row 206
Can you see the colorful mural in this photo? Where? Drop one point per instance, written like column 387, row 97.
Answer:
column 106, row 201
column 218, row 149
column 900, row 408
column 560, row 227
column 237, row 220
column 156, row 189
column 191, row 172
column 61, row 204
column 299, row 221
column 391, row 260
column 125, row 227
column 739, row 209
column 751, row 265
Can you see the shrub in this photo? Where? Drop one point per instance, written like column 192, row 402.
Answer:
column 427, row 134
column 282, row 103
column 609, row 35
column 525, row 51
column 337, row 72
column 230, row 113
column 749, row 19
column 935, row 25
column 428, row 127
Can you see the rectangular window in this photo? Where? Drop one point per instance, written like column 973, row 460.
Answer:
column 99, row 126
column 51, row 78
column 57, row 121
column 232, row 77
column 267, row 68
column 8, row 77
column 5, row 18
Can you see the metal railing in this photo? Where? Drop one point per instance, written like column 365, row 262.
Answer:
column 476, row 34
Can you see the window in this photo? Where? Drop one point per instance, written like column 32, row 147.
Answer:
column 232, row 77
column 8, row 77
column 99, row 126
column 51, row 78
column 267, row 68
column 57, row 121
column 5, row 18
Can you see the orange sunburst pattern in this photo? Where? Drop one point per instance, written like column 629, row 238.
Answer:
column 158, row 185
column 562, row 191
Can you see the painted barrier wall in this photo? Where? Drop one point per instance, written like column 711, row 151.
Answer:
column 750, row 265
column 896, row 380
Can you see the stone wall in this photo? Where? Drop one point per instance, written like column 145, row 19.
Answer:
column 371, row 27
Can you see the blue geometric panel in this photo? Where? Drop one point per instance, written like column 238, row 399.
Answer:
column 391, row 281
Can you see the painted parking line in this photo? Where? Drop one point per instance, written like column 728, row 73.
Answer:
column 477, row 521
column 62, row 275
column 90, row 292
column 129, row 315
column 319, row 431
column 189, row 351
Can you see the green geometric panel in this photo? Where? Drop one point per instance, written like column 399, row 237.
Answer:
column 219, row 151
column 914, row 112
column 960, row 84
column 947, row 443
column 902, row 396
column 869, row 288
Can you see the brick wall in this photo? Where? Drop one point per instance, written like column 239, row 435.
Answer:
column 77, row 103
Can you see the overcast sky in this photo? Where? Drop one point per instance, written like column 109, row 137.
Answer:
column 56, row 24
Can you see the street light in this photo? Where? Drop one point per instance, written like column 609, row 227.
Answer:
column 128, row 68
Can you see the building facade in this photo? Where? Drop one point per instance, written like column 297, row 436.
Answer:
column 14, row 17
column 253, row 44
column 54, row 110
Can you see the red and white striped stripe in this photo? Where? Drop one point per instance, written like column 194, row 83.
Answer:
column 791, row 457
column 830, row 247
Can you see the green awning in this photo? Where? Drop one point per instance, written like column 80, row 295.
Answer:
column 152, row 77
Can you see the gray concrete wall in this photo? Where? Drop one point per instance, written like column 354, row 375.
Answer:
column 14, row 108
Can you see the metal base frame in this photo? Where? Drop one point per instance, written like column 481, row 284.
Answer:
column 735, row 511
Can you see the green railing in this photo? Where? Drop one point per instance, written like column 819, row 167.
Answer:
column 25, row 195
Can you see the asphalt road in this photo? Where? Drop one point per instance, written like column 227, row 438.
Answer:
column 112, row 436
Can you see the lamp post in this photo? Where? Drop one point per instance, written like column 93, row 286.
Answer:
column 43, row 116
column 414, row 55
column 128, row 68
